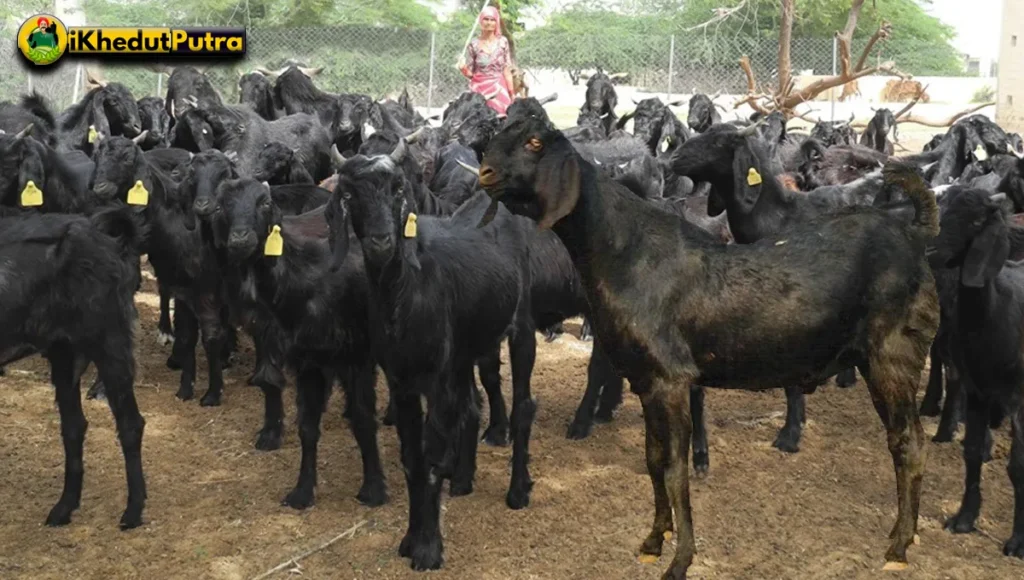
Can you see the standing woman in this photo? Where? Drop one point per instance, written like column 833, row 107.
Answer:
column 487, row 62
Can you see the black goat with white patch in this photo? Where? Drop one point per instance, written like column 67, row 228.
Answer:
column 68, row 285
column 443, row 294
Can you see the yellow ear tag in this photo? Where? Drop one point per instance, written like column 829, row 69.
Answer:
column 138, row 195
column 410, row 226
column 753, row 177
column 31, row 196
column 980, row 153
column 92, row 133
column 275, row 243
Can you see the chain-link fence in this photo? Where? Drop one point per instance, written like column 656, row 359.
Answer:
column 380, row 61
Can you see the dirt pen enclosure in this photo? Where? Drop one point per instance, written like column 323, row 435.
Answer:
column 213, row 510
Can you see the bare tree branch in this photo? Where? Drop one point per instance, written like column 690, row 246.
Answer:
column 912, row 102
column 785, row 38
column 721, row 14
column 883, row 33
column 846, row 38
column 946, row 122
column 814, row 89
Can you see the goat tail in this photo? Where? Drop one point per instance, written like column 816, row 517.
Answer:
column 36, row 104
column 907, row 177
column 124, row 226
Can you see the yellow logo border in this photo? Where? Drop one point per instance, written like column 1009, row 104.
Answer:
column 26, row 30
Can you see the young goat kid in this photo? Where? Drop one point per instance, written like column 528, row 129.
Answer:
column 442, row 295
column 673, row 311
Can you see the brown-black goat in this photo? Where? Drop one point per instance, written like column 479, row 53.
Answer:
column 673, row 311
column 442, row 294
column 89, row 268
column 988, row 347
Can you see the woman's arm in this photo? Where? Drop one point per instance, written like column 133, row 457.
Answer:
column 507, row 70
column 466, row 58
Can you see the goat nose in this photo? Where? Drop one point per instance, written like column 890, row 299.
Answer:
column 380, row 243
column 487, row 175
column 105, row 188
column 239, row 237
column 201, row 206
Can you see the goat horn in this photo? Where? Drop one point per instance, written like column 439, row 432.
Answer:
column 548, row 99
column 24, row 132
column 311, row 72
column 747, row 132
column 263, row 71
column 617, row 75
column 398, row 155
column 138, row 139
column 468, row 167
column 716, row 95
column 415, row 135
column 337, row 157
column 1017, row 154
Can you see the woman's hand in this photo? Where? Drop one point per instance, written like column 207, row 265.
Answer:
column 461, row 65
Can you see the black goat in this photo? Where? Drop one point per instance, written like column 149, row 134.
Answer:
column 322, row 311
column 295, row 92
column 187, row 87
column 256, row 91
column 278, row 164
column 103, row 112
column 155, row 122
column 876, row 134
column 31, row 110
column 443, row 294
column 89, row 268
column 601, row 100
column 35, row 175
column 665, row 306
column 703, row 113
column 988, row 345
column 831, row 133
column 836, row 165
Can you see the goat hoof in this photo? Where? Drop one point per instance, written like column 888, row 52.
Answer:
column 185, row 394
column 603, row 416
column 551, row 335
column 97, row 391
column 173, row 363
column 700, row 465
column 578, row 430
column 518, row 496
column 426, row 555
column 846, row 379
column 131, row 519
column 299, row 499
column 210, row 400
column 961, row 523
column 60, row 515
column 1015, row 546
column 405, row 548
column 496, row 435
column 460, row 488
column 942, row 436
column 786, row 443
column 165, row 338
column 268, row 439
column 373, row 494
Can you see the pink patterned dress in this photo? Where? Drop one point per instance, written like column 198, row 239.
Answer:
column 488, row 73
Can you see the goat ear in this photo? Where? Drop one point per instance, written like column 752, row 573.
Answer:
column 99, row 114
column 986, row 256
column 557, row 183
column 748, row 178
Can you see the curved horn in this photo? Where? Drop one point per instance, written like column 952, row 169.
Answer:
column 748, row 131
column 310, row 72
column 415, row 135
column 138, row 139
column 468, row 167
column 398, row 155
column 337, row 157
column 24, row 132
column 618, row 75
column 263, row 71
column 716, row 95
column 548, row 99
column 1017, row 154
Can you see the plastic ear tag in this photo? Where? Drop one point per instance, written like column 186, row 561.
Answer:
column 31, row 196
column 275, row 243
column 753, row 177
column 980, row 153
column 410, row 226
column 92, row 133
column 138, row 195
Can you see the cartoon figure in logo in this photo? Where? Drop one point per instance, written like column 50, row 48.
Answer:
column 45, row 34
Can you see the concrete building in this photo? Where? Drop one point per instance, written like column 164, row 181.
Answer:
column 1010, row 107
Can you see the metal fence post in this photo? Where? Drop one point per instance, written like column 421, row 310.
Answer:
column 430, row 78
column 29, row 81
column 671, row 62
column 832, row 92
column 78, row 84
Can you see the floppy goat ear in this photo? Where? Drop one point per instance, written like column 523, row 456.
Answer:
column 748, row 176
column 99, row 113
column 987, row 253
column 557, row 182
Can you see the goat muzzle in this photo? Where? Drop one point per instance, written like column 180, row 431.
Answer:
column 203, row 207
column 105, row 189
column 488, row 176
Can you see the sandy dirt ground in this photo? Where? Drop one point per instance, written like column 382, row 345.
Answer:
column 213, row 510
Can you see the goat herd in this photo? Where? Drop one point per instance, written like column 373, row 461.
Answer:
column 343, row 234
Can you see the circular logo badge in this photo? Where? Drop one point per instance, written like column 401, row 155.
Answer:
column 43, row 39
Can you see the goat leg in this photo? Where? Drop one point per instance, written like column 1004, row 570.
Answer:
column 361, row 403
column 311, row 392
column 611, row 394
column 674, row 403
column 599, row 373
column 655, row 434
column 523, row 353
column 490, row 375
column 974, row 447
column 950, row 419
column 930, row 405
column 440, row 428
column 166, row 332
column 847, row 378
column 788, row 439
column 409, row 415
column 73, row 426
column 187, row 328
column 468, row 429
column 1015, row 545
column 701, row 461
column 115, row 364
